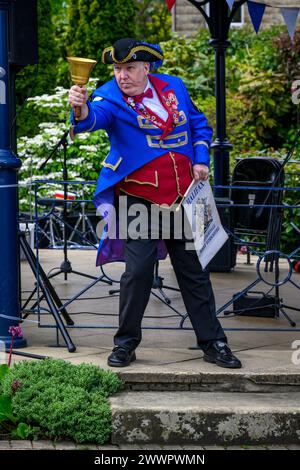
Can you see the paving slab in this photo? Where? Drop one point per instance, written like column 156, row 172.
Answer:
column 65, row 445
column 205, row 418
column 43, row 445
column 214, row 448
column 86, row 447
column 21, row 445
column 108, row 447
column 5, row 445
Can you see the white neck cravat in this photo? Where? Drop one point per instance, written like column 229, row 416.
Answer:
column 154, row 103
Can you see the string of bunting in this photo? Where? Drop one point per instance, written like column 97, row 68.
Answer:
column 257, row 11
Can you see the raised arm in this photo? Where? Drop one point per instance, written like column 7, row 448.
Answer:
column 95, row 114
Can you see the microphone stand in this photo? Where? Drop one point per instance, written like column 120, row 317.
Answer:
column 66, row 266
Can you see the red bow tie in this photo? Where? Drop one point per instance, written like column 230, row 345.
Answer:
column 146, row 94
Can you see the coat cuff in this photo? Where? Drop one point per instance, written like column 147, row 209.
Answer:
column 86, row 125
column 201, row 153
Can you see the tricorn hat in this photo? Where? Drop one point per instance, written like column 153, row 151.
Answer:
column 130, row 50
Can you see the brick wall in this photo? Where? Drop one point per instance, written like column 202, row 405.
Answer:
column 187, row 19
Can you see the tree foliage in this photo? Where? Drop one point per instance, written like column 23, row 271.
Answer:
column 96, row 24
column 153, row 21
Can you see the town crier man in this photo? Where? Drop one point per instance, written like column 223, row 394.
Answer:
column 159, row 143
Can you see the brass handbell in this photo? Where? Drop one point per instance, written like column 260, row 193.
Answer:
column 80, row 69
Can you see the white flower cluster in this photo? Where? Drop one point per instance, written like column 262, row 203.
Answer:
column 76, row 161
column 83, row 136
column 58, row 98
column 33, row 151
column 89, row 148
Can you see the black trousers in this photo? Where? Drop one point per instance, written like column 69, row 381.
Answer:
column 136, row 284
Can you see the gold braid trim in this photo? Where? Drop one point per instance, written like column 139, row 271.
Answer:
column 133, row 51
column 107, row 49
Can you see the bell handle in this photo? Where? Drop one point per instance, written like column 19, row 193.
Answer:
column 77, row 109
column 77, row 112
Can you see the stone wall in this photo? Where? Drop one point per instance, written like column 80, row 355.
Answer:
column 187, row 19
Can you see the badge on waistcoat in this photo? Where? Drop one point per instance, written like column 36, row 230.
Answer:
column 170, row 103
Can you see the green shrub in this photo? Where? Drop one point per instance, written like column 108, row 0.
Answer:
column 259, row 71
column 153, row 21
column 62, row 400
column 261, row 68
column 190, row 60
column 10, row 424
column 243, row 137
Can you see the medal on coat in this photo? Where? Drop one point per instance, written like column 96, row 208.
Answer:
column 145, row 112
column 169, row 102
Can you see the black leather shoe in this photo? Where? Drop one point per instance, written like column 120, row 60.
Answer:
column 220, row 354
column 121, row 357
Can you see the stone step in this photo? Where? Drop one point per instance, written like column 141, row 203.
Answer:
column 210, row 381
column 205, row 418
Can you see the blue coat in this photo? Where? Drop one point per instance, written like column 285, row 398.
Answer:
column 134, row 141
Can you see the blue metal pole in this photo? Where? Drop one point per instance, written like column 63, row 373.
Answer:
column 9, row 165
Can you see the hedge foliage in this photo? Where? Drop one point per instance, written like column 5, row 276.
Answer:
column 60, row 400
column 153, row 21
column 258, row 83
column 96, row 24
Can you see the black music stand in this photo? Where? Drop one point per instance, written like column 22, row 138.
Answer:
column 66, row 266
column 268, row 220
column 48, row 292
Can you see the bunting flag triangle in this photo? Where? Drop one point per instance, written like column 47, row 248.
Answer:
column 256, row 12
column 170, row 4
column 230, row 3
column 290, row 16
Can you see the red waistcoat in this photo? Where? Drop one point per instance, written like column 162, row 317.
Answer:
column 161, row 181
